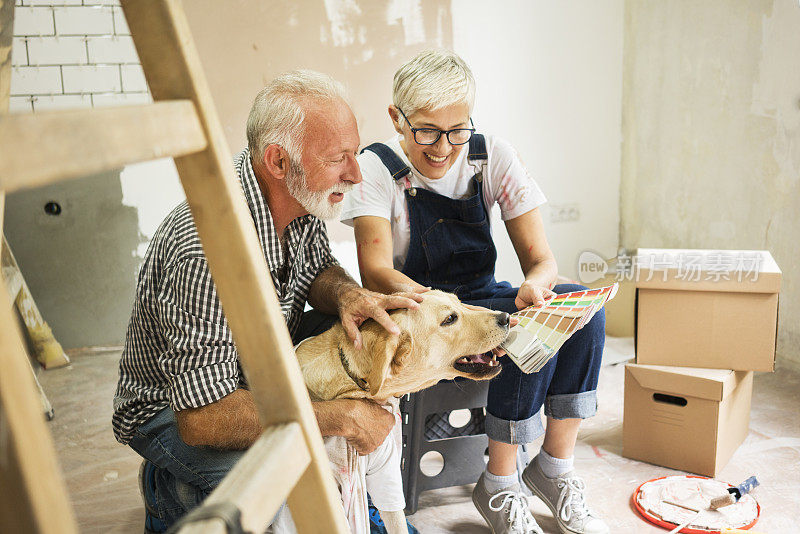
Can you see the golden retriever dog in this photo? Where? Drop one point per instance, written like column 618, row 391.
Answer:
column 442, row 339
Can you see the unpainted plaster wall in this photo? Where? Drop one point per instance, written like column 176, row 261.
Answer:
column 359, row 43
column 549, row 80
column 711, row 130
column 81, row 264
column 246, row 44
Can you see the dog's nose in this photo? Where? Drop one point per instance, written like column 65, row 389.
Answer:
column 503, row 318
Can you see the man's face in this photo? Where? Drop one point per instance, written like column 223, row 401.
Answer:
column 328, row 167
column 433, row 161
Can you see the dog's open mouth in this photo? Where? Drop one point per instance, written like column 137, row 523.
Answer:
column 478, row 363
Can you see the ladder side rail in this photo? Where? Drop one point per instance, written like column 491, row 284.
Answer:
column 35, row 495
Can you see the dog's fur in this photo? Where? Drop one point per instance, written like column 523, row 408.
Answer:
column 442, row 339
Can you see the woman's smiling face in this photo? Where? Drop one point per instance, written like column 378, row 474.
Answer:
column 432, row 161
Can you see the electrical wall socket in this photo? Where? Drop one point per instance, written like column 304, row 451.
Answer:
column 560, row 213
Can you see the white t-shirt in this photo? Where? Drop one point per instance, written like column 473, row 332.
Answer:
column 505, row 182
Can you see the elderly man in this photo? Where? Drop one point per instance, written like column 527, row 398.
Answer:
column 182, row 402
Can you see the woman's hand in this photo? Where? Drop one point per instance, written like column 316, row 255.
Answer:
column 530, row 294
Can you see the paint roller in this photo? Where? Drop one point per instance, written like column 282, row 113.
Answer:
column 734, row 494
column 731, row 497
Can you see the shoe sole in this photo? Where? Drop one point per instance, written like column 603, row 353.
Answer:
column 564, row 529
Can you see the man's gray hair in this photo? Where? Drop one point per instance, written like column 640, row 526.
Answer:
column 432, row 80
column 278, row 112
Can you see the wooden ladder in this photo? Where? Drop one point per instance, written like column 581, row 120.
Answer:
column 288, row 461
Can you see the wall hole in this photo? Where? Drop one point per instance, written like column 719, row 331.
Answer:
column 52, row 208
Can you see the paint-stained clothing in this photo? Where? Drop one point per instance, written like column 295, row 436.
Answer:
column 179, row 352
column 377, row 473
column 506, row 183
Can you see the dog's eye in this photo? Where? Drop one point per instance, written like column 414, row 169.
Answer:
column 453, row 317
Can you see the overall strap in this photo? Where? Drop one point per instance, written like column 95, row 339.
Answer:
column 392, row 161
column 477, row 148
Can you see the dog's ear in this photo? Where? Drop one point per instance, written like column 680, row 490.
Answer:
column 394, row 354
column 402, row 352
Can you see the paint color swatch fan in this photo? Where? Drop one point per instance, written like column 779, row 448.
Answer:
column 542, row 330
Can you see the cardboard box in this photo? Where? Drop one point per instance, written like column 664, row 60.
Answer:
column 685, row 418
column 707, row 308
column 619, row 310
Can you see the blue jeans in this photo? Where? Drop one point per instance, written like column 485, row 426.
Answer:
column 566, row 385
column 185, row 475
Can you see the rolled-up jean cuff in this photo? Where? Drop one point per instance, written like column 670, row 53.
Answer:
column 514, row 432
column 571, row 405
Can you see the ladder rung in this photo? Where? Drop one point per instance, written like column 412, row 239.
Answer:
column 260, row 481
column 37, row 149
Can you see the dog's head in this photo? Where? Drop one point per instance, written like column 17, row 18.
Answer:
column 441, row 340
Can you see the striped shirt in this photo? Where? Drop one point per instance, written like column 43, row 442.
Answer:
column 179, row 351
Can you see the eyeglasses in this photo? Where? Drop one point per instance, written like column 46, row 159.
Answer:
column 430, row 136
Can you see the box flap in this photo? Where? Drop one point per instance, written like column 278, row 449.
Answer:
column 711, row 384
column 749, row 271
column 731, row 384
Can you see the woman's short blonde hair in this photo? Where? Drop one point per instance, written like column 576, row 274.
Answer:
column 432, row 80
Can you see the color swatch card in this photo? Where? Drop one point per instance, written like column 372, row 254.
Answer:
column 542, row 330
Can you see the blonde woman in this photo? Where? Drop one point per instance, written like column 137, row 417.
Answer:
column 421, row 220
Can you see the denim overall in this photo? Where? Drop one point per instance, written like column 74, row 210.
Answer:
column 451, row 248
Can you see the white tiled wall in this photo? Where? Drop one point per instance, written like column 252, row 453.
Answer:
column 133, row 78
column 33, row 21
column 36, row 81
column 116, row 49
column 73, row 53
column 84, row 20
column 54, row 50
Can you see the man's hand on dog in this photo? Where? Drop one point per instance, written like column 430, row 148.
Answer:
column 357, row 304
column 366, row 425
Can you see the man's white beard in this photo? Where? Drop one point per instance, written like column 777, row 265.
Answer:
column 315, row 202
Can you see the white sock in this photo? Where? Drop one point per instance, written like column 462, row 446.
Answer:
column 554, row 467
column 495, row 483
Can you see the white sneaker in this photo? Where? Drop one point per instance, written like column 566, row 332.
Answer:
column 506, row 511
column 565, row 496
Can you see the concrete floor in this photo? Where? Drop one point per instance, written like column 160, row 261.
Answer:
column 101, row 474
